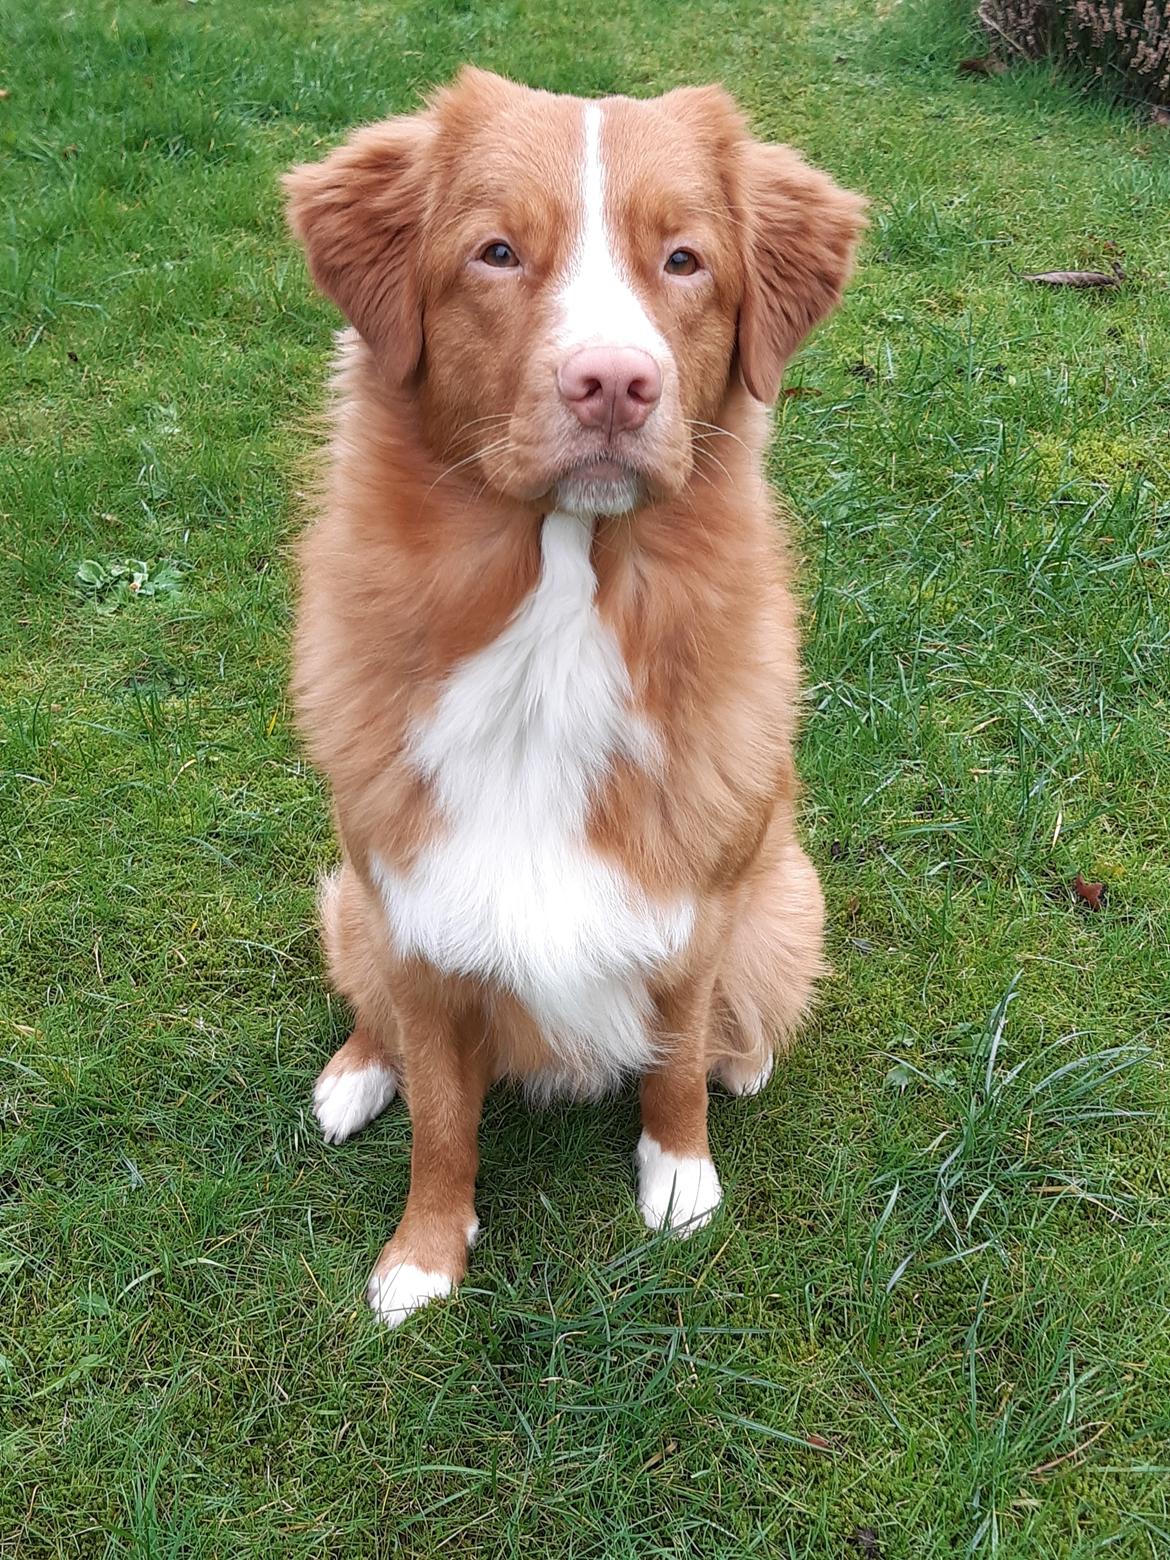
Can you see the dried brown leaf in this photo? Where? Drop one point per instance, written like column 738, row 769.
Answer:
column 1075, row 1456
column 795, row 391
column 1160, row 116
column 660, row 1456
column 982, row 65
column 1091, row 894
column 1076, row 278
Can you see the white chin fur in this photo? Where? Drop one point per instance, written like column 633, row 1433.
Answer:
column 599, row 496
column 674, row 1193
column 405, row 1288
column 345, row 1102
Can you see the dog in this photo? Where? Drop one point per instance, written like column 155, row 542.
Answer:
column 546, row 652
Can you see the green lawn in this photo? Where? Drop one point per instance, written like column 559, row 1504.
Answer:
column 936, row 1308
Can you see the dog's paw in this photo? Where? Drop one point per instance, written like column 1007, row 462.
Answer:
column 674, row 1193
column 744, row 1078
column 411, row 1272
column 404, row 1288
column 346, row 1100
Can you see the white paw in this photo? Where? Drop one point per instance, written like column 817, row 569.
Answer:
column 403, row 1289
column 344, row 1102
column 674, row 1193
column 737, row 1079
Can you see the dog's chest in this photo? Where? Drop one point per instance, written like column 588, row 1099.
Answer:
column 510, row 890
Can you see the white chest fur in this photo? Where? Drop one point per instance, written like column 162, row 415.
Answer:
column 510, row 890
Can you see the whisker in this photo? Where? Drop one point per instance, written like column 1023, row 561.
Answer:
column 703, row 451
column 717, row 432
column 475, row 422
column 493, row 448
column 693, row 511
column 714, row 459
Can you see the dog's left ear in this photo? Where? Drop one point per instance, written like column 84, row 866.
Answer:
column 800, row 231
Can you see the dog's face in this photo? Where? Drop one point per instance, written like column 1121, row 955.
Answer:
column 571, row 288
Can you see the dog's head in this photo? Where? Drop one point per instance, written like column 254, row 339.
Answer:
column 570, row 288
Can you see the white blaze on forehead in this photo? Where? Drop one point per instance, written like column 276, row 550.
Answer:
column 598, row 304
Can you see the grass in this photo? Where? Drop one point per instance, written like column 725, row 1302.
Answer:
column 935, row 1316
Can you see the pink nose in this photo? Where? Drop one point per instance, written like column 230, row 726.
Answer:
column 615, row 388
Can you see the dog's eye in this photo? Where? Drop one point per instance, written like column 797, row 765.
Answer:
column 502, row 256
column 682, row 263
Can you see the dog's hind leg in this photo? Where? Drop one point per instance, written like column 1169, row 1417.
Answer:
column 361, row 1077
column 771, row 966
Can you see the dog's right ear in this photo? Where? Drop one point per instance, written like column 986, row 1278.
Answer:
column 358, row 215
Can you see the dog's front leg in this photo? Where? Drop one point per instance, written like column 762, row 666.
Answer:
column 678, row 1188
column 447, row 1068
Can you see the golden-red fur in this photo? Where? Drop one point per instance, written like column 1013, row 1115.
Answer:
column 424, row 549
